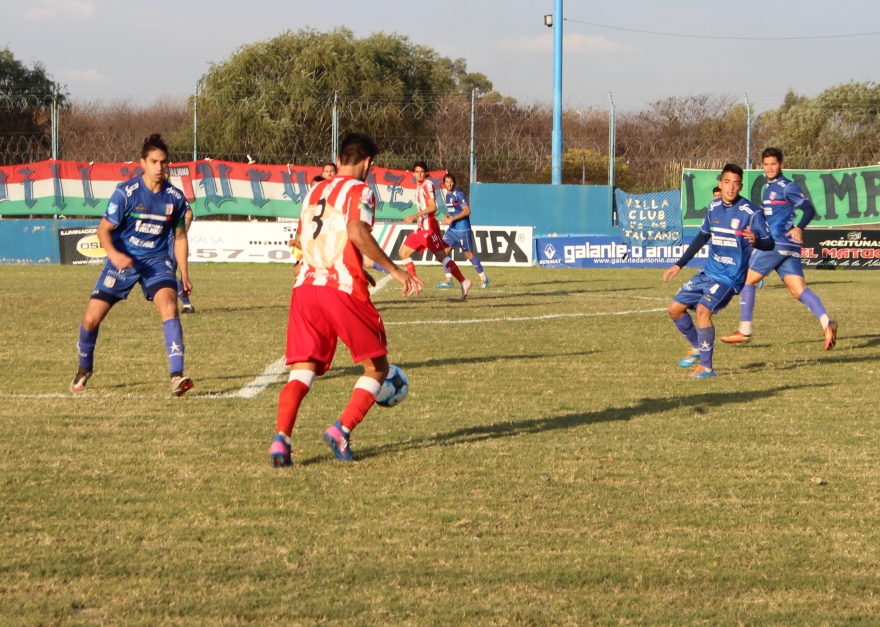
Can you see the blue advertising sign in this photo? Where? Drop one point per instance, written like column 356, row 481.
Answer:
column 649, row 219
column 603, row 251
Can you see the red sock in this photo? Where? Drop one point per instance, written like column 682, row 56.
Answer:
column 362, row 398
column 288, row 405
column 450, row 266
column 410, row 268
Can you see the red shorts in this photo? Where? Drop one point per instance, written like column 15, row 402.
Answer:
column 420, row 240
column 320, row 315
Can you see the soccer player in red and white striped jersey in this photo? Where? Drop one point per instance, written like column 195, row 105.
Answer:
column 428, row 235
column 331, row 298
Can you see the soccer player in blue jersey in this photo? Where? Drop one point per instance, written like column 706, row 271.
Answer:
column 459, row 233
column 732, row 227
column 182, row 294
column 134, row 232
column 781, row 198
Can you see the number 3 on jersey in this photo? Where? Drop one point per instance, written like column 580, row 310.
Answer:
column 324, row 236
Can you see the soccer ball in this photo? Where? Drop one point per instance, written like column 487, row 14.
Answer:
column 395, row 388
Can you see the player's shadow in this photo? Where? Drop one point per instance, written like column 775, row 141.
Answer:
column 214, row 310
column 699, row 403
column 806, row 363
column 351, row 371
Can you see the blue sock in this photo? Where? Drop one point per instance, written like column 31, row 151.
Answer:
column 747, row 303
column 376, row 266
column 181, row 294
column 685, row 324
column 813, row 303
column 475, row 262
column 707, row 346
column 174, row 343
column 85, row 348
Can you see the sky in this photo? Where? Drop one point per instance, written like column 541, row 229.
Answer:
column 110, row 49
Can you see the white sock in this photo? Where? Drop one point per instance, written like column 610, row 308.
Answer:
column 824, row 320
column 745, row 327
column 482, row 276
column 448, row 278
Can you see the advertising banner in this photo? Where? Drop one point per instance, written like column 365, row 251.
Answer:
column 212, row 187
column 267, row 242
column 841, row 197
column 833, row 248
column 649, row 219
column 610, row 252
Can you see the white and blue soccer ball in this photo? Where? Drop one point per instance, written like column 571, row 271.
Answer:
column 395, row 389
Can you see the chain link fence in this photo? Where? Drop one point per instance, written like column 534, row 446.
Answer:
column 510, row 142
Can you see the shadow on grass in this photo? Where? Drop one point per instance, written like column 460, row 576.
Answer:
column 646, row 407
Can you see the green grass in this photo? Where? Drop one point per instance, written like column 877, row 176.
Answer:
column 555, row 471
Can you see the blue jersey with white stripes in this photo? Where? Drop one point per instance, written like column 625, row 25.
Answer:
column 781, row 197
column 729, row 249
column 144, row 220
column 455, row 202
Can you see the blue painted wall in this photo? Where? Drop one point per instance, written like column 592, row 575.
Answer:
column 559, row 209
column 34, row 241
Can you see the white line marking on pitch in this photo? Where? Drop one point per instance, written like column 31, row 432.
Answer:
column 275, row 371
column 510, row 319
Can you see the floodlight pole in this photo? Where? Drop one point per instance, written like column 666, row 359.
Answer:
column 196, row 125
column 611, row 145
column 335, row 127
column 748, row 133
column 556, row 156
column 473, row 178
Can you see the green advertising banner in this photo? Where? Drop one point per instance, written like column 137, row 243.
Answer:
column 842, row 197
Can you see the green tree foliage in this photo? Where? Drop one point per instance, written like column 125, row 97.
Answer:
column 273, row 99
column 838, row 128
column 26, row 94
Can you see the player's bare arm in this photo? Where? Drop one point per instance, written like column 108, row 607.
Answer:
column 120, row 260
column 181, row 255
column 431, row 208
column 796, row 234
column 360, row 236
column 671, row 273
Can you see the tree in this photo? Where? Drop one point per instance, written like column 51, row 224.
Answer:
column 274, row 99
column 838, row 128
column 26, row 95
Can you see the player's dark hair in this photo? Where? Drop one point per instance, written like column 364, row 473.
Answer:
column 355, row 147
column 318, row 178
column 332, row 165
column 450, row 175
column 154, row 142
column 717, row 190
column 772, row 152
column 733, row 168
column 420, row 164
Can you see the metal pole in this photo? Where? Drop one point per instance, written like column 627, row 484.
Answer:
column 196, row 125
column 55, row 125
column 611, row 145
column 748, row 133
column 335, row 142
column 556, row 156
column 473, row 131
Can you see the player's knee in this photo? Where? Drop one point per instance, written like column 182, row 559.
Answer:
column 676, row 310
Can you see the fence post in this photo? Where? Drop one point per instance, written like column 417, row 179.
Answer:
column 55, row 125
column 196, row 125
column 473, row 177
column 556, row 152
column 611, row 155
column 335, row 142
column 748, row 133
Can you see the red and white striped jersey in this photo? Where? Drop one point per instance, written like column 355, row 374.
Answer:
column 425, row 192
column 329, row 257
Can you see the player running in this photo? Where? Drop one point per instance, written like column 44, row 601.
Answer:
column 134, row 232
column 427, row 236
column 331, row 299
column 781, row 198
column 459, row 233
column 732, row 226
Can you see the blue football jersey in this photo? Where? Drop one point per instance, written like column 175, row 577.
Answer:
column 729, row 249
column 455, row 200
column 143, row 220
column 781, row 197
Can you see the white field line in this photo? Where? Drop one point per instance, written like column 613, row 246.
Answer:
column 276, row 371
column 524, row 319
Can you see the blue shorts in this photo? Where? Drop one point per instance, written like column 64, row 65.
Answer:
column 153, row 274
column 462, row 239
column 701, row 290
column 766, row 261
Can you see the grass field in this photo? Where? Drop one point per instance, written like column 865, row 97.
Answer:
column 544, row 470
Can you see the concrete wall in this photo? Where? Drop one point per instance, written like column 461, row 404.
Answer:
column 550, row 209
